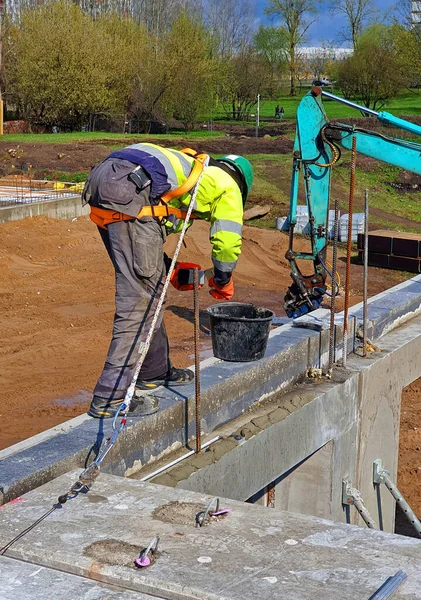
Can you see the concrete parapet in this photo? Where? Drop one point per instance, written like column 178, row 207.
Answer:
column 62, row 208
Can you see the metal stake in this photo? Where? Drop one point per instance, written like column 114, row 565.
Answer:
column 381, row 475
column 365, row 283
column 348, row 249
column 197, row 359
column 334, row 288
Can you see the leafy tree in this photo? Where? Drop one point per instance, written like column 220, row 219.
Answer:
column 249, row 75
column 60, row 75
column 296, row 16
column 408, row 44
column 373, row 74
column 194, row 71
column 358, row 13
column 271, row 45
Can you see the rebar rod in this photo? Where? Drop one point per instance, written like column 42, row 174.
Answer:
column 348, row 248
column 365, row 276
column 197, row 358
column 334, row 288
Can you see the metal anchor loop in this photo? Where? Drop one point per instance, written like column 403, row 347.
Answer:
column 202, row 516
column 144, row 560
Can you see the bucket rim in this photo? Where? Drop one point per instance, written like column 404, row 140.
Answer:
column 243, row 319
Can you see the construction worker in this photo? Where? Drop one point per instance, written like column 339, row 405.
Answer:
column 137, row 196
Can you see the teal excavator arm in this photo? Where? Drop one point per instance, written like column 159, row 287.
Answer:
column 316, row 150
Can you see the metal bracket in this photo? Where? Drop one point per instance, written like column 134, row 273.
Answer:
column 381, row 475
column 352, row 497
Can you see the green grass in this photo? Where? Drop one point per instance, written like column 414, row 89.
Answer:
column 98, row 136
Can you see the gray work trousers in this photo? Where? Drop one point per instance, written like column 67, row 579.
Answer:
column 136, row 250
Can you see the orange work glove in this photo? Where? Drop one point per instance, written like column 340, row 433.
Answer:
column 182, row 276
column 221, row 292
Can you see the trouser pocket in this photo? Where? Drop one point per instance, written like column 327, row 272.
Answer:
column 148, row 254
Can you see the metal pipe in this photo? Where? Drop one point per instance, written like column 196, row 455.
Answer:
column 196, row 357
column 365, row 282
column 404, row 506
column 178, row 460
column 389, row 587
column 381, row 475
column 348, row 248
column 351, row 104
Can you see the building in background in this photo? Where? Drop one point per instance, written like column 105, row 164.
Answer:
column 415, row 13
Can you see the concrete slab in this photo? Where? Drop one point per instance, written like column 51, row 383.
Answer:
column 25, row 581
column 253, row 553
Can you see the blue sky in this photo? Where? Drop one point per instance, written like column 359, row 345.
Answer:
column 327, row 28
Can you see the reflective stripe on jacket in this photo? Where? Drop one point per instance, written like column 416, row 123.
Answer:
column 218, row 198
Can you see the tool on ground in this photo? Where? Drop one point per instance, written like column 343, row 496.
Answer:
column 365, row 276
column 203, row 516
column 90, row 474
column 197, row 358
column 381, row 475
column 352, row 497
column 147, row 554
column 390, row 586
column 348, row 249
column 316, row 151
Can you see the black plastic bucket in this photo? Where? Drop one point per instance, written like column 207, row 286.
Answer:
column 240, row 332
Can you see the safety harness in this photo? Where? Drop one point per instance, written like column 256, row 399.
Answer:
column 104, row 216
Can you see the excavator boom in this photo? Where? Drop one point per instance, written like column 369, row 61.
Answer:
column 316, row 149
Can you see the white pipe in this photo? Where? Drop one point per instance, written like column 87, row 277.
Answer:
column 177, row 460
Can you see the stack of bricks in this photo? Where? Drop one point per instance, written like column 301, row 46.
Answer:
column 392, row 250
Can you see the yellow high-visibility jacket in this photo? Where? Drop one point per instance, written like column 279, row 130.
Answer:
column 218, row 198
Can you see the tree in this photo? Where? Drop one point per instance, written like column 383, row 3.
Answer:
column 408, row 43
column 358, row 14
column 248, row 76
column 374, row 73
column 296, row 16
column 229, row 23
column 271, row 45
column 195, row 72
column 61, row 75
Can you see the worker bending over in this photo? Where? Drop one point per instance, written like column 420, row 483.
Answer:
column 137, row 196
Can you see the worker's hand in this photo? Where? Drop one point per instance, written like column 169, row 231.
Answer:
column 182, row 277
column 221, row 292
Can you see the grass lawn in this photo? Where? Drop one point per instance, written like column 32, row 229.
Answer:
column 99, row 136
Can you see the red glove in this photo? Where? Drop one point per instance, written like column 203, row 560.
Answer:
column 221, row 292
column 182, row 276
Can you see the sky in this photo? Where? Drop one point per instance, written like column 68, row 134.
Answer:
column 328, row 26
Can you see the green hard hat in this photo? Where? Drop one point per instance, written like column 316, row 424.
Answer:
column 243, row 166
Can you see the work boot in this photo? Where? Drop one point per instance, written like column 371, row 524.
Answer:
column 173, row 378
column 140, row 406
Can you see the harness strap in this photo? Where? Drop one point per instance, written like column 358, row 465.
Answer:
column 104, row 216
column 191, row 179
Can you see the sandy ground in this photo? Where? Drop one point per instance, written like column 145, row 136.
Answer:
column 56, row 297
